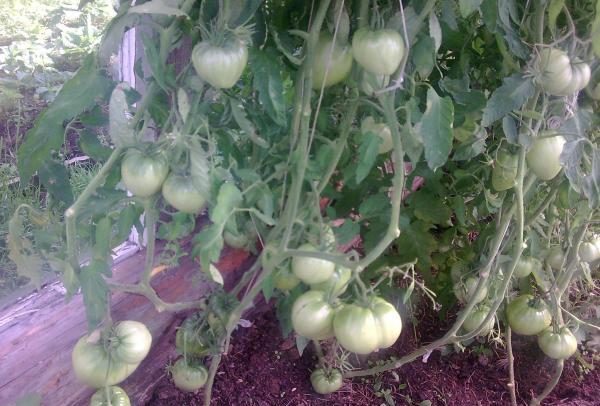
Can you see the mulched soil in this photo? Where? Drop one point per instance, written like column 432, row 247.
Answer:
column 265, row 369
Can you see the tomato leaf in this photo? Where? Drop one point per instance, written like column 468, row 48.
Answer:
column 21, row 252
column 375, row 206
column 229, row 198
column 346, row 232
column 200, row 168
column 367, row 155
column 435, row 31
column 80, row 93
column 435, row 129
column 301, row 343
column 513, row 93
column 246, row 125
column 208, row 244
column 119, row 126
column 95, row 291
column 55, row 177
column 268, row 287
column 468, row 7
column 92, row 147
column 423, row 56
column 103, row 232
column 430, row 208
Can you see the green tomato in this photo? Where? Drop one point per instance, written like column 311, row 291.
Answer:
column 179, row 191
column 475, row 318
column 543, row 158
column 465, row 290
column 555, row 258
column 143, row 174
column 188, row 377
column 526, row 265
column 324, row 382
column 118, row 397
column 381, row 130
column 312, row 316
column 337, row 284
column 363, row 330
column 312, row 270
column 379, row 52
column 556, row 75
column 561, row 345
column 331, row 64
column 234, row 240
column 222, row 67
column 95, row 367
column 588, row 252
column 528, row 316
column 505, row 171
column 285, row 280
column 130, row 341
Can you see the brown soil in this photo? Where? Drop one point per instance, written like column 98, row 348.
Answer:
column 265, row 369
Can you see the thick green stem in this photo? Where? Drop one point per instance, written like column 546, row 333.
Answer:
column 150, row 219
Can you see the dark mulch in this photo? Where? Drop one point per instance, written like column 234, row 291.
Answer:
column 265, row 369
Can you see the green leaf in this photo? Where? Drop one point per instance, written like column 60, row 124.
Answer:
column 435, row 31
column 208, row 245
column 268, row 82
column 22, row 253
column 416, row 241
column 367, row 155
column 554, row 9
column 55, row 177
column 375, row 206
column 268, row 287
column 423, row 56
column 95, row 291
column 468, row 7
column 92, row 147
column 200, row 168
column 119, row 127
column 509, row 127
column 157, row 7
column 347, row 231
column 513, row 93
column 215, row 274
column 435, row 129
column 79, row 94
column 128, row 217
column 229, row 198
column 430, row 208
column 412, row 142
column 241, row 12
column 239, row 115
column 102, row 236
column 301, row 343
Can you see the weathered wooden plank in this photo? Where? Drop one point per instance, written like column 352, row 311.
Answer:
column 38, row 333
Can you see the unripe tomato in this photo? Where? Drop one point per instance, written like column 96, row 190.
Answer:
column 556, row 75
column 543, row 158
column 143, row 174
column 379, row 52
column 561, row 345
column 528, row 316
column 179, row 191
column 285, row 280
column 505, row 170
column 363, row 330
column 555, row 258
column 324, row 382
column 381, row 130
column 312, row 270
column 526, row 265
column 222, row 67
column 588, row 252
column 188, row 377
column 475, row 318
column 130, row 341
column 337, row 284
column 118, row 397
column 312, row 316
column 465, row 290
column 331, row 64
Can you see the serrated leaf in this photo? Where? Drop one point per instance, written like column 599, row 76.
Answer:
column 157, row 7
column 208, row 245
column 78, row 94
column 346, row 232
column 55, row 177
column 92, row 147
column 430, row 208
column 246, row 125
column 119, row 128
column 269, row 84
column 435, row 31
column 367, row 155
column 215, row 274
column 375, row 206
column 513, row 93
column 416, row 241
column 435, row 129
column 509, row 127
column 95, row 291
column 468, row 7
column 128, row 217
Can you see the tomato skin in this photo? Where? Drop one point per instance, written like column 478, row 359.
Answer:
column 187, row 377
column 337, row 284
column 324, row 383
column 143, row 174
column 526, row 266
column 312, row 315
column 363, row 330
column 464, row 290
column 379, row 52
column 588, row 252
column 179, row 191
column 91, row 363
column 381, row 130
column 337, row 70
column 221, row 67
column 543, row 158
column 557, row 75
column 526, row 316
column 285, row 280
column 133, row 341
column 312, row 270
column 555, row 258
column 238, row 241
column 118, row 397
column 505, row 171
column 475, row 318
column 561, row 345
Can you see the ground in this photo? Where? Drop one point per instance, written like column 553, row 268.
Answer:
column 265, row 369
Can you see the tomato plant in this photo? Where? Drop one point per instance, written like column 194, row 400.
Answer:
column 324, row 382
column 558, row 345
column 527, row 315
column 117, row 396
column 188, row 377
